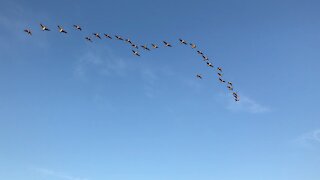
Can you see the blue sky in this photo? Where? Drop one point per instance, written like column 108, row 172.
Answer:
column 73, row 110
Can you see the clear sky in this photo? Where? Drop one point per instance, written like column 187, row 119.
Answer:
column 74, row 110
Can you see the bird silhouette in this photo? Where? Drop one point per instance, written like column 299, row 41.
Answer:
column 89, row 39
column 167, row 44
column 107, row 36
column 77, row 27
column 135, row 53
column 97, row 35
column 61, row 30
column 44, row 28
column 28, row 31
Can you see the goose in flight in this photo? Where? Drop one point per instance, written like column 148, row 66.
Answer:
column 44, row 28
column 167, row 44
column 230, row 88
column 210, row 64
column 219, row 69
column 145, row 47
column 183, row 41
column 128, row 41
column 221, row 80
column 154, row 46
column 89, row 39
column 219, row 74
column 28, row 31
column 77, row 27
column 61, row 30
column 135, row 53
column 199, row 76
column 230, row 83
column 97, row 35
column 205, row 58
column 135, row 46
column 107, row 36
column 199, row 52
column 193, row 45
column 119, row 37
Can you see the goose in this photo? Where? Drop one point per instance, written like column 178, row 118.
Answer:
column 89, row 39
column 219, row 74
column 167, row 44
column 28, row 31
column 209, row 64
column 135, row 46
column 193, row 45
column 77, row 27
column 44, row 28
column 154, row 46
column 221, row 80
column 230, row 88
column 183, row 41
column 199, row 52
column 145, row 47
column 108, row 36
column 61, row 30
column 97, row 35
column 119, row 37
column 135, row 53
column 205, row 58
column 129, row 41
column 199, row 76
column 230, row 83
column 220, row 69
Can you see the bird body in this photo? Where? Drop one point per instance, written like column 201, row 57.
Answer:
column 135, row 53
column 210, row 64
column 119, row 37
column 44, row 28
column 108, row 36
column 219, row 69
column 154, row 46
column 77, row 27
column 97, row 35
column 193, row 46
column 183, row 41
column 199, row 76
column 61, row 30
column 145, row 47
column 28, row 31
column 167, row 44
column 89, row 39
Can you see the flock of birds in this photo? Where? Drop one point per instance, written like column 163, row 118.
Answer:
column 145, row 47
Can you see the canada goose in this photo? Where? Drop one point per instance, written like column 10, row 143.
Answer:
column 199, row 52
column 230, row 83
column 44, row 28
column 221, row 80
column 77, row 27
column 129, row 41
column 235, row 94
column 193, row 45
column 135, row 53
column 61, row 30
column 135, row 46
column 119, row 37
column 220, row 69
column 97, row 35
column 237, row 99
column 219, row 74
column 209, row 64
column 167, row 44
column 230, row 88
column 108, row 36
column 145, row 47
column 183, row 41
column 154, row 46
column 28, row 31
column 205, row 58
column 89, row 39
column 199, row 76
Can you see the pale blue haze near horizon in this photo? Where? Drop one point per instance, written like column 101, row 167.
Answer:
column 74, row 110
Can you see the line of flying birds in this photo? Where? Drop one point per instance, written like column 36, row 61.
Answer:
column 154, row 46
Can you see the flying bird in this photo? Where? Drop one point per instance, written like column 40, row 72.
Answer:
column 221, row 80
column 167, row 44
column 77, row 27
column 44, row 28
column 128, row 41
column 61, row 30
column 135, row 53
column 199, row 76
column 205, row 58
column 210, row 64
column 183, row 41
column 193, row 45
column 219, row 74
column 135, row 46
column 154, row 46
column 89, row 39
column 230, row 83
column 28, row 31
column 119, row 37
column 230, row 88
column 107, row 36
column 199, row 52
column 97, row 35
column 145, row 47
column 220, row 69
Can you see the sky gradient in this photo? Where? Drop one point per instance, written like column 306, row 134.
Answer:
column 74, row 110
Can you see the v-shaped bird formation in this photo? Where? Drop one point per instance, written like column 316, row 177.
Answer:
column 135, row 52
